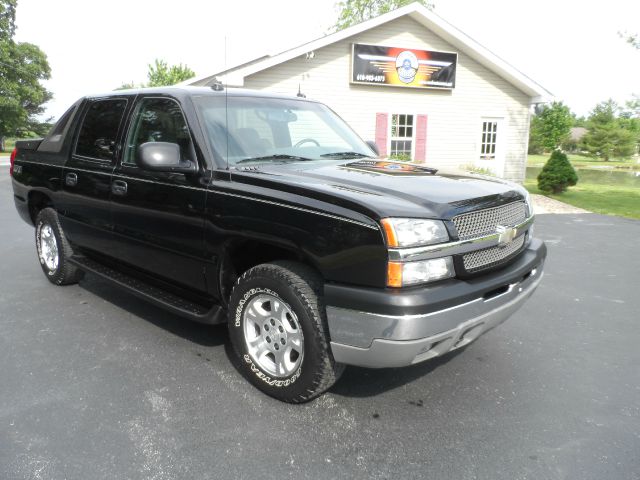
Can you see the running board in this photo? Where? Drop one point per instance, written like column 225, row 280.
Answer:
column 151, row 293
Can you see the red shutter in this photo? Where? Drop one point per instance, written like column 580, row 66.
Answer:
column 382, row 126
column 421, row 139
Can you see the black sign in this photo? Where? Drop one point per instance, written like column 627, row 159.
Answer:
column 403, row 67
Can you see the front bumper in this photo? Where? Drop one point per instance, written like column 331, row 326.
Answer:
column 402, row 328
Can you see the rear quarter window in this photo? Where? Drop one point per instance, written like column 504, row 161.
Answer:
column 99, row 130
column 54, row 140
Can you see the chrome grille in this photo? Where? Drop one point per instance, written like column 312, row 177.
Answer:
column 484, row 222
column 479, row 259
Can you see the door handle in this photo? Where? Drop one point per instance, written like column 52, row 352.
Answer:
column 118, row 187
column 71, row 179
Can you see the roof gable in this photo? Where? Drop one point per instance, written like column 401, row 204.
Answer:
column 436, row 24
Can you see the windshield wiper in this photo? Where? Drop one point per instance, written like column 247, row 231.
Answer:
column 272, row 157
column 346, row 155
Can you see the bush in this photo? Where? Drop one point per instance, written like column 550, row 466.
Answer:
column 400, row 157
column 557, row 174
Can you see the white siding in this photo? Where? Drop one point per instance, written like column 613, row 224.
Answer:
column 454, row 117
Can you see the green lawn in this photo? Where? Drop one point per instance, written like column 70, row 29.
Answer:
column 602, row 186
column 618, row 200
column 581, row 161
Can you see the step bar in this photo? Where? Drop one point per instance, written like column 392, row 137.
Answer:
column 157, row 296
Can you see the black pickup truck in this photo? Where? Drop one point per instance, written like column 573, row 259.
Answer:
column 270, row 214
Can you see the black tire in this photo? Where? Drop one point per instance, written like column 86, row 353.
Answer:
column 62, row 272
column 300, row 288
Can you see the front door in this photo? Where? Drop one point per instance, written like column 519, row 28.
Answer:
column 158, row 217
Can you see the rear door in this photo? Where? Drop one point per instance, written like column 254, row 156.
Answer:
column 158, row 217
column 86, row 177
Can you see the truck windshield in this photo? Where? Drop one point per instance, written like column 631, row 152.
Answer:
column 262, row 129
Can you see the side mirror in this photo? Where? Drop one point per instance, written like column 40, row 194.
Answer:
column 163, row 157
column 374, row 147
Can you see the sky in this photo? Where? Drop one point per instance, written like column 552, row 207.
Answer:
column 570, row 47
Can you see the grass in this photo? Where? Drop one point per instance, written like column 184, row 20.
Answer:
column 618, row 200
column 582, row 161
column 608, row 199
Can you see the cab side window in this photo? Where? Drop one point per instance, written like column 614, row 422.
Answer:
column 99, row 131
column 158, row 120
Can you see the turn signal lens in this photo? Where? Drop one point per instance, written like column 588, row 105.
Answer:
column 394, row 274
column 390, row 232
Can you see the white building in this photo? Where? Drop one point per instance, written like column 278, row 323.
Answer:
column 413, row 83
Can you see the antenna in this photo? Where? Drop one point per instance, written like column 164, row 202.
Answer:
column 226, row 100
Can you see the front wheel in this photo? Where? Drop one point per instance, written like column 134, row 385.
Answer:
column 278, row 328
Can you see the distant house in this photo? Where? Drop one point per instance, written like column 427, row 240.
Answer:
column 414, row 84
column 576, row 134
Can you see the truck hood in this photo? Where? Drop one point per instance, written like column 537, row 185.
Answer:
column 381, row 188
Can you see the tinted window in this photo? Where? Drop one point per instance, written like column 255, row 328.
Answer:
column 56, row 136
column 158, row 120
column 100, row 129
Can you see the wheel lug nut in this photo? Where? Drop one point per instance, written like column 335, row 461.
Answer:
column 268, row 339
column 273, row 322
column 282, row 341
column 281, row 329
column 277, row 347
column 266, row 327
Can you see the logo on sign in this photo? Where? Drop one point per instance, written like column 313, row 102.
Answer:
column 407, row 66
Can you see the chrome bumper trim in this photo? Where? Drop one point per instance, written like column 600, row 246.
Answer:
column 453, row 248
column 377, row 341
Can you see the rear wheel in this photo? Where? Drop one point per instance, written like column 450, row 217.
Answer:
column 278, row 328
column 54, row 250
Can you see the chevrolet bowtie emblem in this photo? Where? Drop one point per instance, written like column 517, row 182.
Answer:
column 506, row 234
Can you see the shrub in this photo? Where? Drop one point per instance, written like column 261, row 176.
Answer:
column 557, row 174
column 469, row 167
column 400, row 157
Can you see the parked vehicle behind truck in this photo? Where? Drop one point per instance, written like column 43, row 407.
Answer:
column 270, row 214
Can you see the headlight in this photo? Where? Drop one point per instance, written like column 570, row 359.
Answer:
column 411, row 232
column 412, row 273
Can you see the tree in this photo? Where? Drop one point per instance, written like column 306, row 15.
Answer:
column 160, row 74
column 557, row 174
column 7, row 19
column 608, row 134
column 352, row 12
column 550, row 126
column 22, row 67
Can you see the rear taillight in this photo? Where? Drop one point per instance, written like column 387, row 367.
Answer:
column 12, row 159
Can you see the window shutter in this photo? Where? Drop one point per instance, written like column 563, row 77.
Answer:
column 382, row 126
column 421, row 139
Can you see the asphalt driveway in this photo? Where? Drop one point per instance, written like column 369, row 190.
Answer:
column 96, row 384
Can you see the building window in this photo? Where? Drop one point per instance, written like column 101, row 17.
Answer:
column 489, row 137
column 401, row 135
